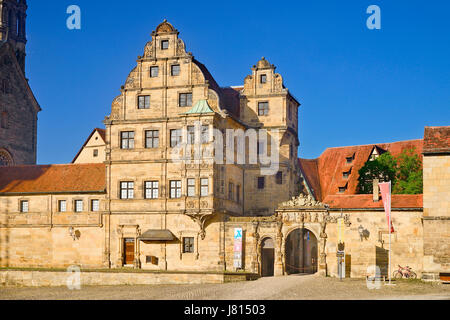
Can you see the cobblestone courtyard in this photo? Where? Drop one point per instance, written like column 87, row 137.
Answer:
column 296, row 287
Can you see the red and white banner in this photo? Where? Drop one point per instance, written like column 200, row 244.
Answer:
column 385, row 189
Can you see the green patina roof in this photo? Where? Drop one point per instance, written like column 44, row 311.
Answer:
column 201, row 106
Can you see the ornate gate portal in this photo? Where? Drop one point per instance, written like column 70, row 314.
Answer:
column 301, row 252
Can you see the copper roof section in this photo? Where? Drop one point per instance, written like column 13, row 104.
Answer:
column 68, row 178
column 436, row 140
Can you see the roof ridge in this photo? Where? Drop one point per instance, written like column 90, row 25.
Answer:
column 373, row 144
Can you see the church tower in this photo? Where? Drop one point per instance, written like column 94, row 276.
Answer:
column 18, row 106
column 12, row 27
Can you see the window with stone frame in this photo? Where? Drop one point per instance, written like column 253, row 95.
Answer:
column 204, row 187
column 24, row 206
column 190, row 134
column 151, row 189
column 154, row 71
column 238, row 194
column 230, row 191
column 127, row 190
column 261, row 182
column 144, row 102
column 188, row 244
column 205, row 134
column 185, row 100
column 164, row 44
column 95, row 205
column 78, row 205
column 62, row 206
column 175, row 189
column 176, row 137
column 279, row 177
column 263, row 78
column 191, row 187
column 175, row 70
column 263, row 108
column 151, row 139
column 127, row 140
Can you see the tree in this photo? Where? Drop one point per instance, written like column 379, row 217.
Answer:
column 404, row 171
column 382, row 168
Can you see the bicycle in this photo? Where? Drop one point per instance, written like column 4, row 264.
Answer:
column 404, row 272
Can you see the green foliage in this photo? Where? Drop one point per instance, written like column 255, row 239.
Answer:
column 404, row 171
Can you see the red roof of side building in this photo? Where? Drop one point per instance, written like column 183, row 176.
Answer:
column 436, row 140
column 365, row 201
column 68, row 178
column 325, row 175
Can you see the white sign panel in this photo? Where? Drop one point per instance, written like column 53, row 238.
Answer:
column 237, row 248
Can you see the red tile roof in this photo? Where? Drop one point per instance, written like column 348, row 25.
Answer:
column 325, row 174
column 365, row 201
column 70, row 178
column 436, row 140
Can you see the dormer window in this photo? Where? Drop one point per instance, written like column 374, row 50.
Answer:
column 165, row 44
column 263, row 78
column 350, row 159
column 342, row 189
column 346, row 174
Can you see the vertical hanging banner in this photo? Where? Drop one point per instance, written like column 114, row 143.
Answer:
column 340, row 228
column 385, row 189
column 237, row 248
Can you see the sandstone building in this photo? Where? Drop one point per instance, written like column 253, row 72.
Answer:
column 126, row 200
column 18, row 106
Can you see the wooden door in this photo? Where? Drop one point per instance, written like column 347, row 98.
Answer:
column 128, row 251
column 267, row 258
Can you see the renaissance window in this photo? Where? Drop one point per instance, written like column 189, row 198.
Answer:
column 151, row 189
column 230, row 191
column 175, row 137
column 190, row 134
column 175, row 70
column 204, row 187
column 165, row 44
column 175, row 189
column 144, row 102
column 261, row 182
column 154, row 71
column 24, row 206
column 263, row 108
column 152, row 139
column 279, row 177
column 205, row 134
column 127, row 140
column 185, row 100
column 263, row 78
column 95, row 205
column 188, row 245
column 191, row 187
column 126, row 190
column 78, row 206
column 62, row 206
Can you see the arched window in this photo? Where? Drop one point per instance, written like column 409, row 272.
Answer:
column 5, row 158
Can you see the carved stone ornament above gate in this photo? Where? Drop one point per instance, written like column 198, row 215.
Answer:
column 302, row 201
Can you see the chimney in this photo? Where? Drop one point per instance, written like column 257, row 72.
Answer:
column 376, row 191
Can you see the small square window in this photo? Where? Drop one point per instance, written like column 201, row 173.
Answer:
column 95, row 153
column 127, row 140
column 154, row 71
column 188, row 245
column 165, row 44
column 175, row 189
column 151, row 190
column 144, row 102
column 62, row 206
column 261, row 182
column 263, row 78
column 151, row 139
column 95, row 205
column 263, row 108
column 175, row 70
column 185, row 100
column 24, row 206
column 126, row 190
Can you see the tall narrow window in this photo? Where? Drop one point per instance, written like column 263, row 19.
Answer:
column 185, row 100
column 263, row 78
column 175, row 137
column 279, row 177
column 205, row 134
column 175, row 189
column 290, row 112
column 230, row 191
column 127, row 140
column 204, row 187
column 95, row 205
column 151, row 189
column 4, row 120
column 24, row 206
column 261, row 147
column 175, row 70
column 78, row 205
column 126, row 190
column 263, row 108
column 95, row 153
column 154, row 71
column 62, row 206
column 238, row 194
column 261, row 182
column 144, row 102
column 190, row 134
column 152, row 139
column 191, row 187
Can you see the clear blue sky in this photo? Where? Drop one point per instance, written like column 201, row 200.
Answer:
column 356, row 86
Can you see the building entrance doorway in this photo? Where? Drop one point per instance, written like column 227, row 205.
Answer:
column 128, row 251
column 267, row 257
column 301, row 252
